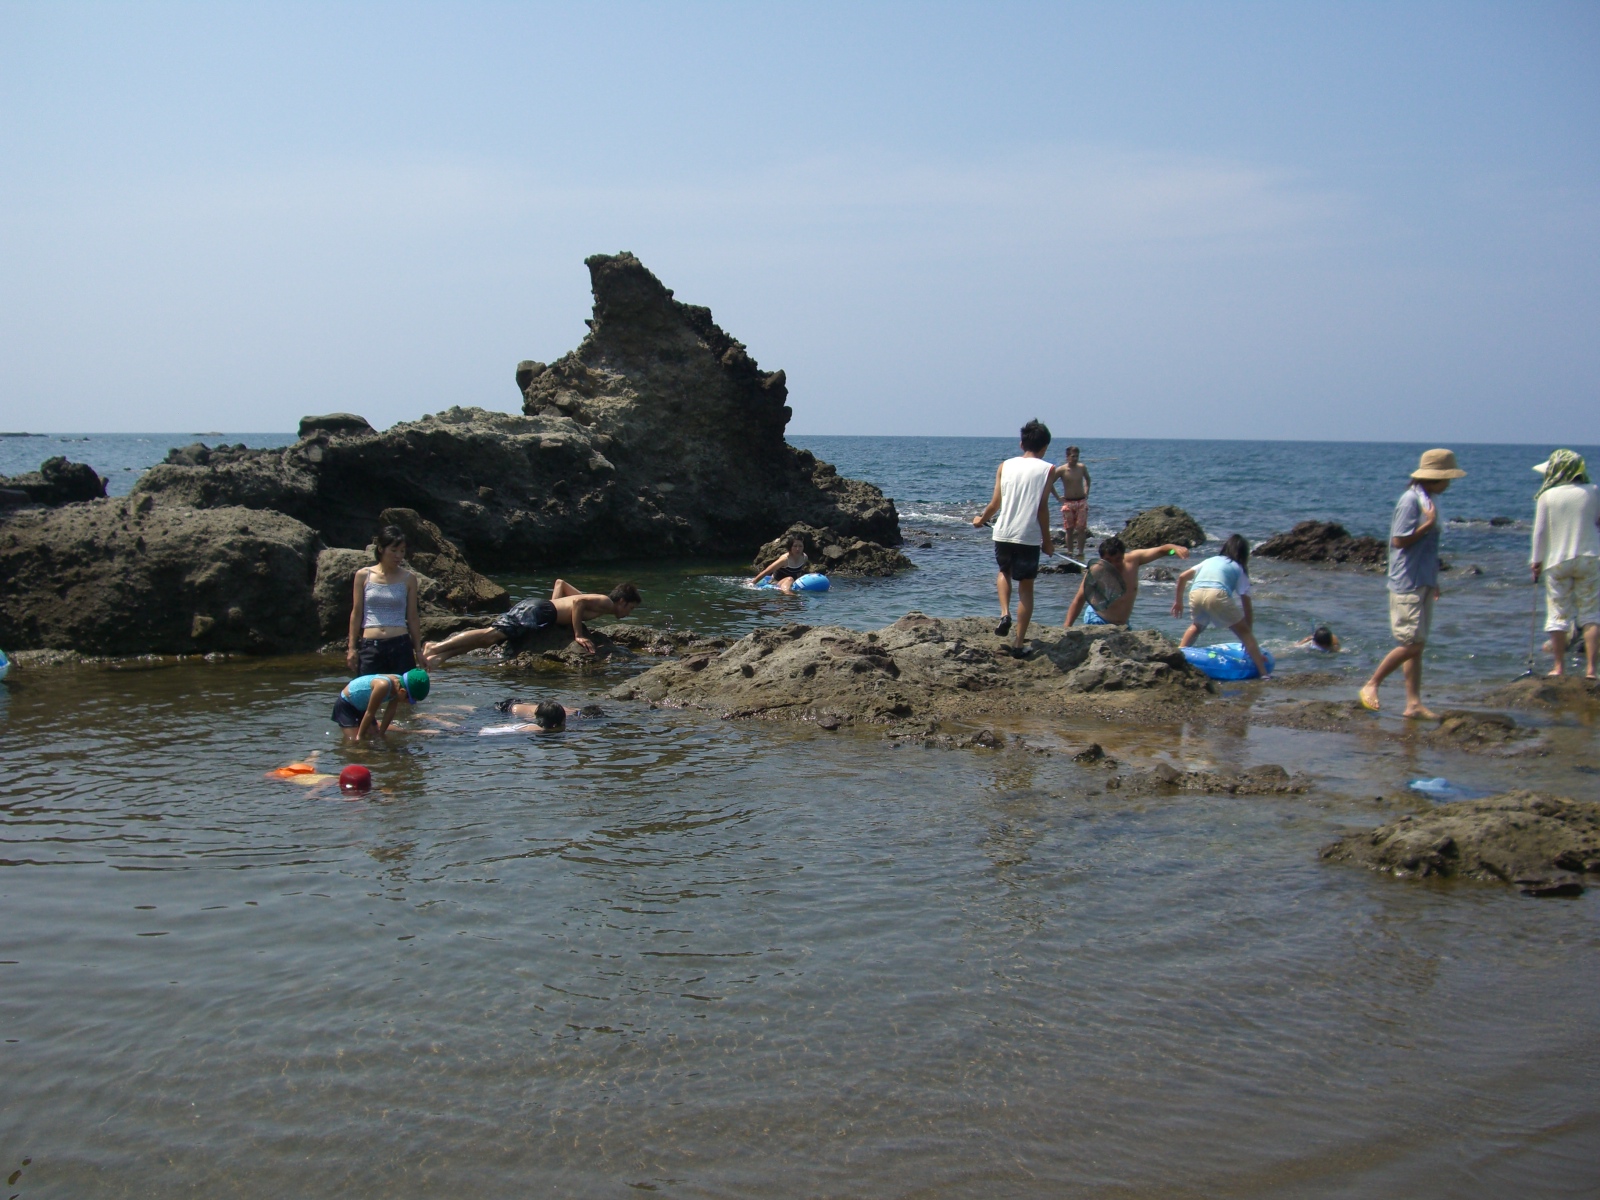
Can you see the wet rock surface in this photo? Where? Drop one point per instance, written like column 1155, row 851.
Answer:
column 921, row 667
column 124, row 577
column 1324, row 542
column 1546, row 694
column 554, row 648
column 835, row 553
column 1545, row 845
column 1160, row 526
column 659, row 430
column 58, row 480
column 1461, row 729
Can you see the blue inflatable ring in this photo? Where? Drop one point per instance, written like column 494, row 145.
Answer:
column 1226, row 660
column 806, row 583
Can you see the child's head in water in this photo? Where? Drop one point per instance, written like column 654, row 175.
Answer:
column 547, row 714
column 1322, row 638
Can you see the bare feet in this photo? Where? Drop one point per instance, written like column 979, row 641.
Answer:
column 1369, row 698
column 1557, row 674
column 1419, row 713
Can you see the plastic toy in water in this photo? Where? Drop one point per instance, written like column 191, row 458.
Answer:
column 1226, row 660
column 303, row 773
column 355, row 778
column 806, row 583
column 5, row 665
column 1439, row 788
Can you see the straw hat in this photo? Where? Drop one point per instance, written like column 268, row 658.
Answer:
column 1437, row 464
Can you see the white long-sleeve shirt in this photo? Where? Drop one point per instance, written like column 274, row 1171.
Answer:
column 1564, row 524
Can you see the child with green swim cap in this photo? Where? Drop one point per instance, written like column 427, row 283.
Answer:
column 356, row 709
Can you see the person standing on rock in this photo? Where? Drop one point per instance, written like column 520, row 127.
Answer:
column 1413, row 578
column 1566, row 551
column 566, row 606
column 1220, row 595
column 385, row 631
column 1109, row 587
column 1074, row 479
column 1022, row 529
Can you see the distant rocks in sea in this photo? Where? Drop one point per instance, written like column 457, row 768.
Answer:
column 1324, row 542
column 57, row 481
column 1544, row 845
column 1165, row 525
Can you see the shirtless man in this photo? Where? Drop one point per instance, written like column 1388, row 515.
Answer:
column 1074, row 479
column 566, row 606
column 1110, row 586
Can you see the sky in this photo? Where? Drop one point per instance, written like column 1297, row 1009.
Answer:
column 1341, row 221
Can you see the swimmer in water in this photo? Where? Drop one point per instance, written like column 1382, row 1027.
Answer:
column 546, row 716
column 356, row 709
column 787, row 567
column 1322, row 639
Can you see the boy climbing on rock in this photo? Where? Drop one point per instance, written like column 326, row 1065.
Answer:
column 566, row 606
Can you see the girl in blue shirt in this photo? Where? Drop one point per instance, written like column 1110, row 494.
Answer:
column 1220, row 595
column 356, row 709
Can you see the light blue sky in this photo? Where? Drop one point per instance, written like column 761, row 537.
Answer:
column 1344, row 221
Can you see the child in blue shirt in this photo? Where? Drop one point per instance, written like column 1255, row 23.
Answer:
column 356, row 709
column 1220, row 595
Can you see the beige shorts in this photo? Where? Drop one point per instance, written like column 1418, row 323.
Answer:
column 1411, row 616
column 1572, row 594
column 1214, row 606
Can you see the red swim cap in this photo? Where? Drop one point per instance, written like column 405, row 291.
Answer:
column 355, row 778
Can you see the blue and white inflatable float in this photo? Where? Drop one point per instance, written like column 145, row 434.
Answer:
column 806, row 583
column 5, row 665
column 1226, row 660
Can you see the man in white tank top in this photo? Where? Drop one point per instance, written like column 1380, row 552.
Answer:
column 1022, row 528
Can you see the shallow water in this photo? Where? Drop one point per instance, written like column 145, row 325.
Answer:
column 705, row 958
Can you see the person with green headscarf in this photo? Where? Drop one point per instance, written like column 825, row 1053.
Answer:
column 1566, row 553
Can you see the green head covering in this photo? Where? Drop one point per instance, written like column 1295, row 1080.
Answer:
column 1564, row 466
column 416, row 684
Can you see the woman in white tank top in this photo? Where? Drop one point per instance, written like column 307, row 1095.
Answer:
column 385, row 631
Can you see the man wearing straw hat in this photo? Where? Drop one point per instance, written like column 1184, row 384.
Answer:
column 1566, row 550
column 1413, row 578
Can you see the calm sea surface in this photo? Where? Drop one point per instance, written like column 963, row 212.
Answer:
column 668, row 953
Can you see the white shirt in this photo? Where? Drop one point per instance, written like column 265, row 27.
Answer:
column 1022, row 484
column 1564, row 524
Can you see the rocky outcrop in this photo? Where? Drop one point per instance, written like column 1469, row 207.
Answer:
column 918, row 667
column 57, row 481
column 1324, row 542
column 1571, row 693
column 127, row 576
column 659, row 431
column 1161, row 526
column 1546, row 845
column 834, row 553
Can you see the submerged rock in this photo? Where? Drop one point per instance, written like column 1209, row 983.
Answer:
column 1324, row 541
column 658, row 434
column 1160, row 526
column 119, row 577
column 834, row 553
column 920, row 666
column 57, row 481
column 1544, row 692
column 1544, row 844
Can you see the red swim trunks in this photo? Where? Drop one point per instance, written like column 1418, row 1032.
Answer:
column 1075, row 514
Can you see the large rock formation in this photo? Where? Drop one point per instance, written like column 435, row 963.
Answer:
column 1167, row 524
column 658, row 434
column 128, row 577
column 834, row 553
column 1544, row 844
column 919, row 667
column 1324, row 542
column 57, row 481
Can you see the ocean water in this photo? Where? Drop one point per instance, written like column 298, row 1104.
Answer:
column 663, row 952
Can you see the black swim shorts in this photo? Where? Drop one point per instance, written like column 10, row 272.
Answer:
column 526, row 618
column 385, row 656
column 346, row 715
column 1016, row 560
